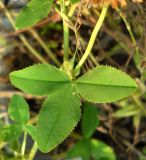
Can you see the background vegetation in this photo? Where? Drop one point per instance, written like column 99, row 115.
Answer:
column 121, row 43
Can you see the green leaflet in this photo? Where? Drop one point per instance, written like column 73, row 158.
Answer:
column 10, row 132
column 31, row 130
column 40, row 79
column 33, row 12
column 88, row 149
column 105, row 84
column 18, row 109
column 57, row 118
column 90, row 120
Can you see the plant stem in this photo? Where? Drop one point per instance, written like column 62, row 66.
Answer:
column 65, row 33
column 84, row 44
column 64, row 17
column 33, row 151
column 92, row 38
column 66, row 41
column 78, row 36
column 24, row 145
column 130, row 33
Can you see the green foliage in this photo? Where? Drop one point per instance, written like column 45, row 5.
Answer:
column 10, row 132
column 14, row 145
column 105, row 84
column 99, row 82
column 90, row 120
column 40, row 79
column 61, row 112
column 87, row 149
column 19, row 112
column 31, row 130
column 33, row 12
column 18, row 109
column 57, row 118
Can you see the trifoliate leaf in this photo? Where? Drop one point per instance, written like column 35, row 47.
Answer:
column 57, row 118
column 40, row 79
column 105, row 84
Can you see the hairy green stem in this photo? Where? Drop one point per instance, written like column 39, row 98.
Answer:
column 92, row 38
column 33, row 151
column 65, row 33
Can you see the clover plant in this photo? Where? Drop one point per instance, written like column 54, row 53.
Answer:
column 64, row 87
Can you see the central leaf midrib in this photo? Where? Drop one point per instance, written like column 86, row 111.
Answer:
column 95, row 84
column 53, row 81
column 53, row 126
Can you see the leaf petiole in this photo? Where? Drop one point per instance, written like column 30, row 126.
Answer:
column 92, row 38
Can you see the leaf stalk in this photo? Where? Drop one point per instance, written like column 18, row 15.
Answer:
column 92, row 38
